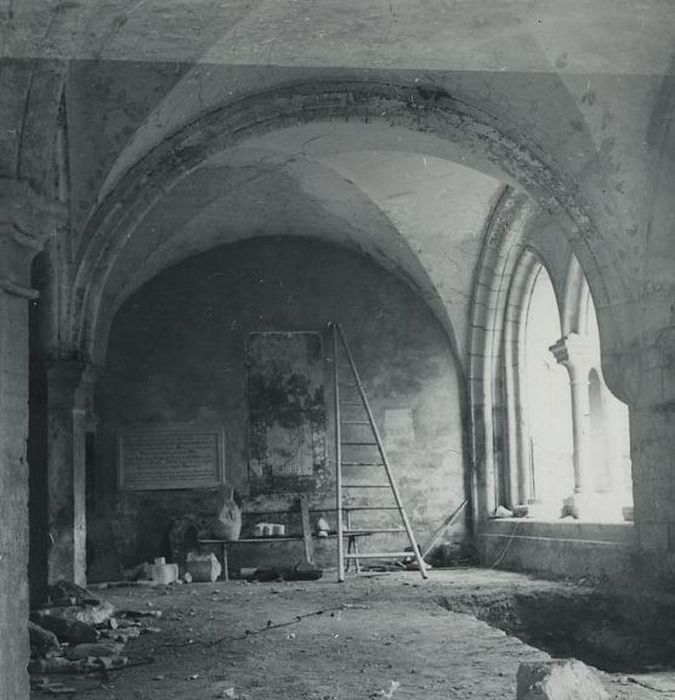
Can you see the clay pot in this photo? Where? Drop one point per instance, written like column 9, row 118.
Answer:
column 227, row 524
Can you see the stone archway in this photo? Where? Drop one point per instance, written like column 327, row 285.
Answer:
column 417, row 109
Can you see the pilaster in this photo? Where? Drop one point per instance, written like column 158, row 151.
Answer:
column 70, row 387
column 26, row 220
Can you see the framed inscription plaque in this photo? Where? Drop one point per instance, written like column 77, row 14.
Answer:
column 165, row 458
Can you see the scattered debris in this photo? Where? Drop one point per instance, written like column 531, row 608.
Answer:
column 301, row 571
column 70, row 631
column 59, row 664
column 122, row 634
column 137, row 614
column 393, row 687
column 47, row 686
column 78, row 633
column 99, row 649
column 88, row 614
column 223, row 689
column 64, row 594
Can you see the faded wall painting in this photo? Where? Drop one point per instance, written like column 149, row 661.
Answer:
column 287, row 413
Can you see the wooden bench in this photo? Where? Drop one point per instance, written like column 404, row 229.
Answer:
column 307, row 537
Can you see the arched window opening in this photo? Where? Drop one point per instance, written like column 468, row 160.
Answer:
column 550, row 475
column 610, row 466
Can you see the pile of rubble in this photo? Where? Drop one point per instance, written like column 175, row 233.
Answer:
column 76, row 632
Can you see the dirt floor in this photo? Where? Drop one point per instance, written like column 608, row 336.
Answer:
column 375, row 636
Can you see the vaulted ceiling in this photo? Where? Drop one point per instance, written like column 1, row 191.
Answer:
column 576, row 36
column 576, row 86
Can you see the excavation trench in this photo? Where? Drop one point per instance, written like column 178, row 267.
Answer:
column 618, row 634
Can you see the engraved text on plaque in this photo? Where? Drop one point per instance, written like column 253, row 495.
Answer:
column 170, row 459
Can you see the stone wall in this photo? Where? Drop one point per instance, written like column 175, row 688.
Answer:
column 177, row 356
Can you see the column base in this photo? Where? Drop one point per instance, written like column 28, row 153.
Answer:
column 598, row 507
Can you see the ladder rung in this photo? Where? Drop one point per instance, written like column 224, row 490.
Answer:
column 378, row 555
column 366, row 486
column 352, row 382
column 369, row 507
column 362, row 464
column 372, row 530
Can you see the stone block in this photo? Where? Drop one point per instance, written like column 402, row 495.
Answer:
column 88, row 614
column 71, row 631
column 163, row 573
column 204, row 568
column 42, row 641
column 562, row 679
column 66, row 594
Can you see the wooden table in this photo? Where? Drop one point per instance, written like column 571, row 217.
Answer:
column 226, row 544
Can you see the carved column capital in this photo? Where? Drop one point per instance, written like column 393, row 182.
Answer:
column 574, row 352
column 68, row 379
column 27, row 220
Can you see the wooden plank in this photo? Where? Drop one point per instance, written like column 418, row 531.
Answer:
column 338, row 457
column 378, row 555
column 306, row 529
column 383, row 455
column 372, row 531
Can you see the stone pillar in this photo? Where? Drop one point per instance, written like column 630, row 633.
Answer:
column 70, row 388
column 572, row 352
column 25, row 220
column 653, row 451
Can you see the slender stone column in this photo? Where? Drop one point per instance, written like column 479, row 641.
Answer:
column 25, row 221
column 572, row 352
column 70, row 388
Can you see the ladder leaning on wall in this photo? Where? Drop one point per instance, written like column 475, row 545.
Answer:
column 352, row 413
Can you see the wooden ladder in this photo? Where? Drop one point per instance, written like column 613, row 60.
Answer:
column 360, row 414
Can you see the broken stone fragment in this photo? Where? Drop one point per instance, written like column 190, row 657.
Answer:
column 107, row 662
column 42, row 641
column 56, row 665
column 67, row 630
column 90, row 615
column 137, row 614
column 122, row 634
column 204, row 568
column 99, row 649
column 560, row 679
column 88, row 665
column 46, row 686
column 64, row 594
